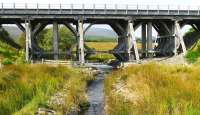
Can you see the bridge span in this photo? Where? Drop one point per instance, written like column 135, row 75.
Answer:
column 123, row 19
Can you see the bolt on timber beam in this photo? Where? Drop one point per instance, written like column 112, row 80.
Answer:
column 81, row 56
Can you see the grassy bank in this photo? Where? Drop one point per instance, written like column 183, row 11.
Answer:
column 153, row 89
column 24, row 88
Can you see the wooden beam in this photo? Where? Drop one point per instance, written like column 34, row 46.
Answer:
column 55, row 40
column 21, row 27
column 149, row 37
column 28, row 39
column 38, row 28
column 166, row 27
column 71, row 28
column 81, row 42
column 144, row 39
column 131, row 41
column 179, row 36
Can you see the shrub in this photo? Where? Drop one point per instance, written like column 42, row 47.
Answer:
column 7, row 61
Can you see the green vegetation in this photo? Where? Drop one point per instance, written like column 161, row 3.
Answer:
column 99, row 39
column 192, row 42
column 9, row 55
column 153, row 89
column 23, row 90
column 101, row 57
column 193, row 54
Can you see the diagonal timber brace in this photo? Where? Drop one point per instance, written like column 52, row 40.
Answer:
column 179, row 38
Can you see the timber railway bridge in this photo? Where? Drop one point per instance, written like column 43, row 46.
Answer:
column 123, row 19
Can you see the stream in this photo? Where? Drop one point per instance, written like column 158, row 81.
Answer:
column 96, row 90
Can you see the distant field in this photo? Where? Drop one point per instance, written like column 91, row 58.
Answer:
column 100, row 39
column 102, row 46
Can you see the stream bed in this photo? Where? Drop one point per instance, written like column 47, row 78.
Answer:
column 95, row 90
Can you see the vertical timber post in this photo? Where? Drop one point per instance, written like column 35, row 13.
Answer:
column 55, row 40
column 131, row 42
column 28, row 39
column 179, row 37
column 144, row 40
column 80, row 49
column 149, row 38
column 77, row 37
column 175, row 38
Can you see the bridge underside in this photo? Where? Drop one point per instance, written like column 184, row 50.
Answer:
column 169, row 42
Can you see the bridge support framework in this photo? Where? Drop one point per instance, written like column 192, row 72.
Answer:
column 169, row 41
column 147, row 39
column 126, row 49
column 170, row 38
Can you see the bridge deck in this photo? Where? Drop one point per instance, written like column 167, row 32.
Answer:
column 93, row 11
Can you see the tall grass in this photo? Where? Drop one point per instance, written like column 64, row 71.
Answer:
column 24, row 88
column 153, row 89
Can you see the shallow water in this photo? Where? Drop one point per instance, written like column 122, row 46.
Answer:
column 96, row 91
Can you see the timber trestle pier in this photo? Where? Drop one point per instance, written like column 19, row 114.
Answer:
column 123, row 19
